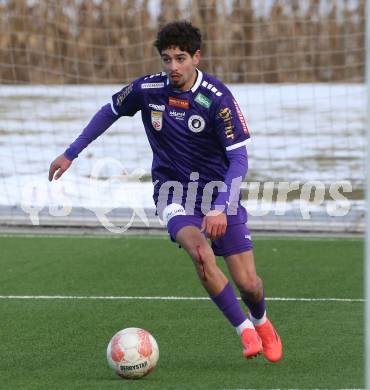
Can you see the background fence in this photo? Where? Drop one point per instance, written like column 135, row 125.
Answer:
column 72, row 41
column 296, row 67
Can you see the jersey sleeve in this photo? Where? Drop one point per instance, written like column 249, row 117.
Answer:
column 127, row 102
column 230, row 124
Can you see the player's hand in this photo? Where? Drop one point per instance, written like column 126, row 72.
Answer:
column 214, row 224
column 59, row 165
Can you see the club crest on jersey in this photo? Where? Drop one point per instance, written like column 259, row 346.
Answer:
column 196, row 123
column 157, row 120
column 181, row 103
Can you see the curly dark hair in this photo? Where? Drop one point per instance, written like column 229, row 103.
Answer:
column 181, row 34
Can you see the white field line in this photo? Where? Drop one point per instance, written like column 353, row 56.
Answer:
column 168, row 298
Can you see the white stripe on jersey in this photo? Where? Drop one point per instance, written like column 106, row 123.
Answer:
column 112, row 107
column 198, row 81
column 238, row 145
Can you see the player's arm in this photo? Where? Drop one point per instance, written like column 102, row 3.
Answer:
column 124, row 103
column 232, row 132
column 58, row 167
column 100, row 122
column 238, row 167
column 215, row 222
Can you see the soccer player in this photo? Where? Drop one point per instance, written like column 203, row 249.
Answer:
column 198, row 136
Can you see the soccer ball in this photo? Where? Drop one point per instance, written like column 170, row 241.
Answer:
column 132, row 353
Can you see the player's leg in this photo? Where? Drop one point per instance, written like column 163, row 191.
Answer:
column 243, row 271
column 236, row 247
column 186, row 231
column 195, row 244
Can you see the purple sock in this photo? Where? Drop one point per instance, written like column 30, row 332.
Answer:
column 229, row 305
column 257, row 309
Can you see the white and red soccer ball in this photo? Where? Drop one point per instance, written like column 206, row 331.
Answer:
column 132, row 353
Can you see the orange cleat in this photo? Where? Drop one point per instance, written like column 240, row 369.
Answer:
column 252, row 344
column 271, row 341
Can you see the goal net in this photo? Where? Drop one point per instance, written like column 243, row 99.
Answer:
column 297, row 69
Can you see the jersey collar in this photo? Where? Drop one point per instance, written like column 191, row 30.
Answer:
column 197, row 83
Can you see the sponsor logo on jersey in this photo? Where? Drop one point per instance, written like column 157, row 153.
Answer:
column 157, row 120
column 241, row 117
column 181, row 103
column 225, row 115
column 180, row 116
column 203, row 100
column 123, row 95
column 152, row 85
column 196, row 123
column 157, row 107
column 212, row 88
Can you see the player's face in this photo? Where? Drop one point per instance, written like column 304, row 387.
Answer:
column 180, row 67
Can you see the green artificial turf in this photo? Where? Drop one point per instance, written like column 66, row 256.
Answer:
column 61, row 343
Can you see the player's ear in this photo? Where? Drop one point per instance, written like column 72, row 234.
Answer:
column 196, row 57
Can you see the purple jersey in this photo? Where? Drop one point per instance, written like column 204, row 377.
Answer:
column 190, row 133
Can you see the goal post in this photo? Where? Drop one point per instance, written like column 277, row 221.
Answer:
column 367, row 242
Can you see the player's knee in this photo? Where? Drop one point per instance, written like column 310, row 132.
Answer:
column 202, row 254
column 203, row 258
column 251, row 286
